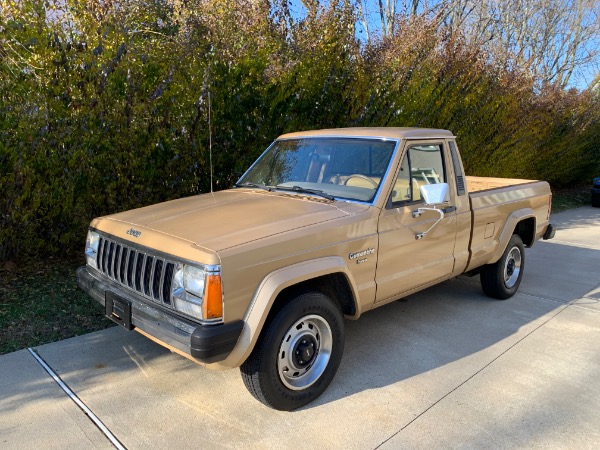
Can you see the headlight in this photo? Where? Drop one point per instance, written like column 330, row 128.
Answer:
column 91, row 248
column 197, row 292
column 193, row 280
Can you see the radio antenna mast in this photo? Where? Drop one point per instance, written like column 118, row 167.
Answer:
column 210, row 144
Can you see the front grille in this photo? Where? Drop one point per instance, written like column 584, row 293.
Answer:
column 143, row 273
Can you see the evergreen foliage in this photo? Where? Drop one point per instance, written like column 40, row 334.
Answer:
column 104, row 105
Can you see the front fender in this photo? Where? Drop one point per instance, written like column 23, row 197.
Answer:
column 267, row 292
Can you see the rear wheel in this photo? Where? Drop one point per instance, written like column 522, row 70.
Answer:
column 501, row 280
column 297, row 354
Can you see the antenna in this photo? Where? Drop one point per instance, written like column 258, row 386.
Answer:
column 210, row 144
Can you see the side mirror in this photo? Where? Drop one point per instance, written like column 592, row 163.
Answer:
column 435, row 194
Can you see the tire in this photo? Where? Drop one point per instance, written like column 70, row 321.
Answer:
column 297, row 353
column 501, row 280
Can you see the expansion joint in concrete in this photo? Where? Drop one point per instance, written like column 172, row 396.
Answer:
column 87, row 411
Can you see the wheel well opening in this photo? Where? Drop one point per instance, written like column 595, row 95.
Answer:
column 526, row 230
column 335, row 286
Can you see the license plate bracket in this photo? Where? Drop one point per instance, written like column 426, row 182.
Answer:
column 118, row 310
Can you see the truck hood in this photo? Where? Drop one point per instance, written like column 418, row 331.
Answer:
column 229, row 218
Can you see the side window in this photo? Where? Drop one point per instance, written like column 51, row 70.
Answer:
column 422, row 164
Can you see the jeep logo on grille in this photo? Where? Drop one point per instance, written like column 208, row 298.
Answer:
column 134, row 233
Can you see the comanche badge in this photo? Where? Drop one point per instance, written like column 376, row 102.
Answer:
column 362, row 253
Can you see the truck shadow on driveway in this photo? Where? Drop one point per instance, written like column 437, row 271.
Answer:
column 439, row 326
column 454, row 321
column 403, row 356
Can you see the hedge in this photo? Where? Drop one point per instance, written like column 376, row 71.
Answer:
column 104, row 105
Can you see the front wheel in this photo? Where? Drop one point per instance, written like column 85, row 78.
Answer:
column 501, row 280
column 297, row 354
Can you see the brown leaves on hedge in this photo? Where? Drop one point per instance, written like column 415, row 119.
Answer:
column 103, row 105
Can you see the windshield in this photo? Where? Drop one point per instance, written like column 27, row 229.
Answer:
column 340, row 167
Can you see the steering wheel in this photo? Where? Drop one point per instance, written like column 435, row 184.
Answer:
column 362, row 177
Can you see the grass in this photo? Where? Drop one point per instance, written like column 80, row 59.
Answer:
column 41, row 303
column 571, row 197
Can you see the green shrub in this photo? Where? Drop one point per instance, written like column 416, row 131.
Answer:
column 104, row 105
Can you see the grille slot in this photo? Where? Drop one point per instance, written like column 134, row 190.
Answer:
column 156, row 280
column 111, row 259
column 116, row 260
column 122, row 261
column 139, row 264
column 147, row 275
column 130, row 266
column 167, row 283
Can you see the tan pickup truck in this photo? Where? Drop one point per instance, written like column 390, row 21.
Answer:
column 326, row 224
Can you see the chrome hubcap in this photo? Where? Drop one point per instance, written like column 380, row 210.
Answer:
column 512, row 267
column 304, row 352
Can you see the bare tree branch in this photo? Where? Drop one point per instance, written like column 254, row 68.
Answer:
column 363, row 19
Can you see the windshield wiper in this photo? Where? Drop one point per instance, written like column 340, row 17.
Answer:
column 305, row 191
column 248, row 184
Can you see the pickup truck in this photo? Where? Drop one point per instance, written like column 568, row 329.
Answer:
column 325, row 225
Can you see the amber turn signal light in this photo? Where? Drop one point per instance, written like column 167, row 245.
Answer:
column 213, row 300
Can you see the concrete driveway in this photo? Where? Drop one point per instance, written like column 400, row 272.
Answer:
column 445, row 368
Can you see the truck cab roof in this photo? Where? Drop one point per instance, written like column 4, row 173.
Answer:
column 374, row 132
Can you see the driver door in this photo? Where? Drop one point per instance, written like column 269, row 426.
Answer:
column 404, row 263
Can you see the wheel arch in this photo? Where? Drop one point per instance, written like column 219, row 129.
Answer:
column 334, row 285
column 328, row 275
column 521, row 222
column 526, row 229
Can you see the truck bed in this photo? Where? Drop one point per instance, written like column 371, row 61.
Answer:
column 497, row 205
column 476, row 184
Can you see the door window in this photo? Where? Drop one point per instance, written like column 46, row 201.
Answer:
column 422, row 164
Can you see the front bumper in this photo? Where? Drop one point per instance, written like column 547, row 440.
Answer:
column 206, row 343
